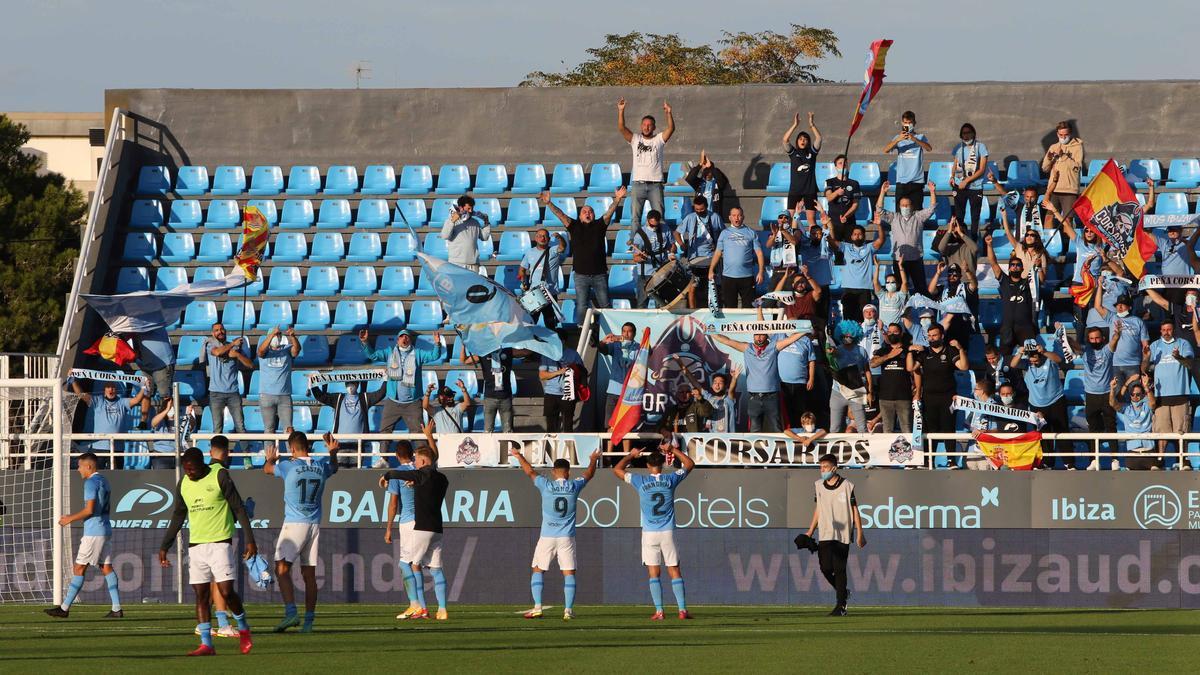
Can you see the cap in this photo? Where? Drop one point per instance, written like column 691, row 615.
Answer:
column 954, row 269
column 407, row 332
column 873, row 308
column 1124, row 300
column 446, row 391
column 785, row 215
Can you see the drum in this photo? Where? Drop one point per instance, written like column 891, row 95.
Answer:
column 669, row 284
column 536, row 298
column 699, row 263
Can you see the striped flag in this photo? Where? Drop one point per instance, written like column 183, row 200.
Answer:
column 112, row 348
column 1084, row 291
column 628, row 411
column 1019, row 453
column 872, row 81
column 254, row 242
column 1110, row 208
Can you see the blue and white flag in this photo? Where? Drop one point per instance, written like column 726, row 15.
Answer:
column 953, row 305
column 489, row 316
column 145, row 311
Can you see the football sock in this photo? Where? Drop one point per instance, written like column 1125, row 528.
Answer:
column 419, row 585
column 222, row 619
column 111, row 579
column 677, row 589
column 569, row 591
column 439, row 586
column 308, row 618
column 289, row 610
column 241, row 621
column 206, row 633
column 409, row 582
column 72, row 591
column 535, row 587
column 656, row 593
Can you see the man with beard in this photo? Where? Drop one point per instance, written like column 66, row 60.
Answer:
column 933, row 375
column 1017, row 311
column 895, row 382
column 1044, row 382
column 762, row 375
column 1097, row 385
column 404, row 363
column 859, row 265
column 697, row 237
column 589, row 251
column 351, row 410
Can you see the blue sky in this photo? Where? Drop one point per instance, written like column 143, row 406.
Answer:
column 60, row 55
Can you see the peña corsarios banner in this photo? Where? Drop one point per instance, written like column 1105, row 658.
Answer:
column 780, row 450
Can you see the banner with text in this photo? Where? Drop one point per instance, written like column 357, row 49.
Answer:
column 780, row 450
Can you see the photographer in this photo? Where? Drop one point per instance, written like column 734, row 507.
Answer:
column 462, row 229
column 910, row 148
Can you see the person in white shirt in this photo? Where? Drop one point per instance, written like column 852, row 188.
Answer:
column 462, row 230
column 646, row 174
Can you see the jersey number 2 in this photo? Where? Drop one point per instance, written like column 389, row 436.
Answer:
column 660, row 503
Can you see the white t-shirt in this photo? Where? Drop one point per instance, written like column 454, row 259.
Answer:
column 647, row 158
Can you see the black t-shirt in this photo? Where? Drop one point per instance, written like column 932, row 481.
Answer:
column 937, row 370
column 429, row 491
column 589, row 246
column 895, row 382
column 1016, row 302
column 497, row 369
column 848, row 200
column 804, row 171
column 1007, row 374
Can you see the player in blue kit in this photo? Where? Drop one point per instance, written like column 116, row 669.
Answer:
column 95, row 546
column 402, row 502
column 304, row 480
column 656, row 494
column 560, row 495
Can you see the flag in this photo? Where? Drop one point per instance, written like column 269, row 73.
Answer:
column 112, row 348
column 953, row 305
column 254, row 242
column 628, row 411
column 489, row 316
column 1020, row 453
column 1109, row 207
column 145, row 311
column 872, row 81
column 1084, row 291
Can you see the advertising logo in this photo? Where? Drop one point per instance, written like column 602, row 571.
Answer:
column 147, row 497
column 895, row 515
column 1157, row 506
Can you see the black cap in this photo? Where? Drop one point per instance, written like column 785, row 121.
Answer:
column 954, row 269
column 1125, row 300
column 446, row 391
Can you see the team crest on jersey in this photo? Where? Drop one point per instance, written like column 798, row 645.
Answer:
column 468, row 452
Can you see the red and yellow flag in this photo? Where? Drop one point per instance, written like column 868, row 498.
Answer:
column 1083, row 292
column 254, row 242
column 1109, row 207
column 628, row 411
column 872, row 81
column 112, row 348
column 1019, row 453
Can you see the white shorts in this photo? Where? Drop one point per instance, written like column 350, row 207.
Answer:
column 426, row 548
column 549, row 548
column 658, row 548
column 406, row 539
column 95, row 549
column 297, row 544
column 211, row 562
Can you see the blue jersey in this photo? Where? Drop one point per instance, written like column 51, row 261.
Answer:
column 1170, row 374
column 303, row 487
column 656, row 493
column 97, row 525
column 559, row 498
column 406, row 494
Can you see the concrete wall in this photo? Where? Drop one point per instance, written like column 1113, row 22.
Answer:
column 739, row 126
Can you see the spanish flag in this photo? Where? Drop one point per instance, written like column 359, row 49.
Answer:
column 112, row 348
column 1019, row 453
column 1084, row 291
column 1109, row 207
column 254, row 242
column 872, row 81
column 628, row 411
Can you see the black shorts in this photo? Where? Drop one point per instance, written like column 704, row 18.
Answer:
column 810, row 202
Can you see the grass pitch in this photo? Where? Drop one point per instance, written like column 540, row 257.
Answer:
column 366, row 638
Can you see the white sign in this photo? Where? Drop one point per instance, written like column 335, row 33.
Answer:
column 483, row 449
column 780, row 450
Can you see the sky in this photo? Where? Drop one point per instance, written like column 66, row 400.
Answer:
column 60, row 55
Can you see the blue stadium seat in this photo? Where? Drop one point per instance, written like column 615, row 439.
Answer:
column 1023, row 173
column 235, row 311
column 322, row 282
column 675, row 175
column 985, row 213
column 1170, row 204
column 620, row 249
column 253, row 289
column 373, row 213
column 132, row 280
column 435, row 246
column 364, row 247
column 1073, row 385
column 487, row 250
column 599, row 205
column 348, row 351
column 312, row 315
column 360, row 280
column 300, row 392
column 506, row 276
column 622, row 303
column 223, row 214
column 568, row 178
column 229, row 180
column 341, row 180
column 867, row 174
column 255, row 382
column 302, row 419
column 1183, row 173
column 209, row 274
column 622, row 280
column 200, row 315
column 387, row 315
column 491, row 179
column 146, row 214
column 314, row 351
column 1093, row 169
column 304, row 180
column 350, row 315
column 453, row 179
column 424, row 287
column 568, row 310
column 411, row 211
column 523, row 212
column 284, row 282
column 771, row 208
column 605, row 178
column 327, row 247
column 334, row 214
column 440, row 211
column 469, row 378
column 289, row 247
column 178, row 247
column 825, row 171
column 215, row 247
column 266, row 181
column 1142, row 169
column 154, row 180
column 252, row 417
column 379, row 179
column 513, row 245
column 139, row 247
column 939, row 174
column 192, row 383
column 188, row 349
column 401, row 247
column 674, row 209
column 425, row 315
column 780, row 178
column 529, row 179
column 267, row 208
column 170, row 277
column 191, row 181
column 397, row 282
column 275, row 313
column 490, row 207
column 415, row 180
column 943, row 210
column 297, row 214
column 566, row 205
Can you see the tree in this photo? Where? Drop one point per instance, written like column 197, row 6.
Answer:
column 637, row 59
column 40, row 216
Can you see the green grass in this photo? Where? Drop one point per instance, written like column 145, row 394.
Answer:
column 366, row 638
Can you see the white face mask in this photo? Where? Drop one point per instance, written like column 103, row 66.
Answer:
column 1064, row 139
column 1122, row 314
column 1006, row 400
column 1191, row 300
column 969, row 143
column 1169, row 340
column 808, row 428
column 906, row 211
column 890, row 286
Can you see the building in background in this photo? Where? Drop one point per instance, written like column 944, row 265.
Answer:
column 71, row 144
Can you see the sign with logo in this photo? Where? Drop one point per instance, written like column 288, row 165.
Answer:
column 1125, row 500
column 780, row 450
column 467, row 450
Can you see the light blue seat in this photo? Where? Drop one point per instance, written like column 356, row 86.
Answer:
column 327, row 247
column 373, row 213
column 506, row 276
column 289, row 247
column 523, row 212
column 170, row 277
column 780, row 178
column 411, row 211
column 825, row 171
column 771, row 208
column 939, row 174
column 255, row 382
column 334, row 214
column 235, row 312
column 599, row 204
column 397, row 282
column 435, row 246
column 132, row 280
column 191, row 181
column 867, row 174
column 453, row 179
column 297, row 214
column 622, row 280
column 209, row 274
column 322, row 282
column 1094, row 168
column 491, row 179
column 387, row 315
column 1073, row 385
column 487, row 250
column 425, row 315
column 620, row 249
column 1183, row 173
column 468, row 377
column 676, row 173
column 513, row 245
column 1170, row 204
column 379, row 179
column 568, row 310
column 529, row 179
column 252, row 417
column 178, row 247
column 223, row 214
column 985, row 213
column 229, row 180
column 401, row 247
column 424, row 287
column 254, row 288
column 146, row 213
column 153, row 180
column 416, row 179
column 567, row 178
column 674, row 209
column 314, row 351
column 490, row 207
column 364, row 247
column 341, row 180
column 350, row 315
column 441, row 211
column 185, row 215
column 1022, row 174
column 215, row 247
column 187, row 352
column 200, row 315
column 267, row 208
column 304, row 180
column 360, row 280
column 348, row 352
column 1141, row 170
column 193, row 384
column 312, row 315
column 140, row 247
column 300, row 393
column 275, row 313
column 605, row 178
column 566, row 205
column 266, row 181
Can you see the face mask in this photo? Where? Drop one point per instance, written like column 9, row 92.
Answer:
column 890, row 286
column 1096, row 345
column 808, row 428
column 906, row 211
column 1006, row 400
column 968, row 142
column 894, row 339
column 1168, row 340
column 980, row 396
column 1064, row 139
column 1122, row 314
column 926, row 322
column 1191, row 301
column 935, row 343
column 826, row 475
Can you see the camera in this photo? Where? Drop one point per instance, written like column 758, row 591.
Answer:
column 906, row 128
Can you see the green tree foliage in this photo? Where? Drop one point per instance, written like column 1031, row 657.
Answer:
column 40, row 216
column 648, row 59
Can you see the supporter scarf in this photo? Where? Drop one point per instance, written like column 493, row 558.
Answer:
column 106, row 376
column 346, row 376
column 1160, row 281
column 995, row 410
column 1060, row 334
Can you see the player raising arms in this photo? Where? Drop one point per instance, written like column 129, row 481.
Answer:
column 656, row 493
column 303, row 487
column 207, row 498
column 95, row 546
column 559, row 498
column 401, row 497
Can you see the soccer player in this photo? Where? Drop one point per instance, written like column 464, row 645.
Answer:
column 656, row 493
column 559, row 498
column 304, row 480
column 207, row 498
column 401, row 500
column 95, row 546
column 834, row 517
